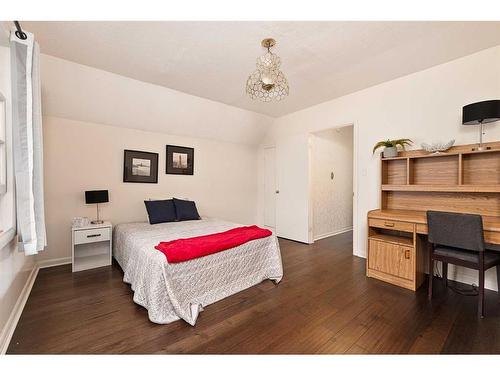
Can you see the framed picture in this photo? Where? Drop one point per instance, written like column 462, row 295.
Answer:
column 180, row 160
column 140, row 166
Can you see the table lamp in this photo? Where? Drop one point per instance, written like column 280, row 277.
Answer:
column 96, row 196
column 481, row 113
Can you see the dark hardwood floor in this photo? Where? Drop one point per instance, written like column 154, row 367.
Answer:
column 324, row 304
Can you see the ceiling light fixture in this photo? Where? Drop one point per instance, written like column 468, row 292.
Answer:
column 268, row 83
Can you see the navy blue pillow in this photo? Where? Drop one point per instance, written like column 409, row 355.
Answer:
column 160, row 211
column 186, row 210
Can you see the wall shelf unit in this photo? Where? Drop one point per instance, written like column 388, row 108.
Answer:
column 416, row 180
column 444, row 188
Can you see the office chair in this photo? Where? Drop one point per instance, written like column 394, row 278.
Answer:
column 458, row 239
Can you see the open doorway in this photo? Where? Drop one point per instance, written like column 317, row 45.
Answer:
column 332, row 195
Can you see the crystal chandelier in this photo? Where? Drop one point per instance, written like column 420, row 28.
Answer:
column 268, row 83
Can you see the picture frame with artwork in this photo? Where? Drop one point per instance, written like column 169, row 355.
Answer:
column 140, row 166
column 180, row 160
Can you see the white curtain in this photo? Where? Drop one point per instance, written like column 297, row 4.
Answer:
column 28, row 143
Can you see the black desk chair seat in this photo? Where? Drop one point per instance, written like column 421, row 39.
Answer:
column 491, row 258
column 458, row 239
column 491, row 246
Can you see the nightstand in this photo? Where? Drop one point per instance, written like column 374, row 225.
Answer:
column 91, row 246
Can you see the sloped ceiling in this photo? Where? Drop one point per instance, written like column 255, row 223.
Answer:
column 322, row 60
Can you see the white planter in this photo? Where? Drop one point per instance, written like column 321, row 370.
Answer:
column 390, row 152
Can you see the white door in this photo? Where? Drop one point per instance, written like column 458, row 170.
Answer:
column 270, row 187
column 292, row 201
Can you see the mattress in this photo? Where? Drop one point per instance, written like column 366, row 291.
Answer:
column 180, row 290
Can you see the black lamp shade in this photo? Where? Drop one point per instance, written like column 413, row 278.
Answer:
column 96, row 196
column 481, row 112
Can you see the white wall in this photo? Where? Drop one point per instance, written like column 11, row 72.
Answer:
column 81, row 156
column 422, row 106
column 332, row 152
column 15, row 267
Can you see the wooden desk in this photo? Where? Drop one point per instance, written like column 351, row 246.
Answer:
column 397, row 245
column 491, row 224
column 460, row 180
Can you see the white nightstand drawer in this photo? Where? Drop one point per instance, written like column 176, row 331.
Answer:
column 91, row 235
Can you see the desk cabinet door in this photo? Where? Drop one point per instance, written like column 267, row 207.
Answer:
column 406, row 262
column 393, row 259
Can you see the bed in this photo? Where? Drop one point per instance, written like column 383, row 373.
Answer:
column 180, row 290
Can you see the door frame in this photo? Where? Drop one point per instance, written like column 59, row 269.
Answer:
column 264, row 148
column 355, row 177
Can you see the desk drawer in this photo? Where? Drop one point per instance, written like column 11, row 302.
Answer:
column 391, row 224
column 91, row 235
column 422, row 229
column 492, row 237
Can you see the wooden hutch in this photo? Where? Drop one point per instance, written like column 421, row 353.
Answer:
column 458, row 180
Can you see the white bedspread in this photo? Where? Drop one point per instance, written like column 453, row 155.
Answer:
column 180, row 290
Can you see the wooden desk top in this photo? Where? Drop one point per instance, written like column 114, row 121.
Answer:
column 490, row 223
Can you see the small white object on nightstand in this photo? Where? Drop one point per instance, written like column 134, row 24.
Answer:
column 91, row 246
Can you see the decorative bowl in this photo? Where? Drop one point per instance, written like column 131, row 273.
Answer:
column 437, row 146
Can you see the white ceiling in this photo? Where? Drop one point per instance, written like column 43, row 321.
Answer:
column 322, row 60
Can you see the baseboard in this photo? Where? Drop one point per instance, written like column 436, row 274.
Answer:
column 334, row 233
column 54, row 262
column 469, row 277
column 10, row 326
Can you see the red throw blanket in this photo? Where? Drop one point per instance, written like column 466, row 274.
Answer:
column 185, row 249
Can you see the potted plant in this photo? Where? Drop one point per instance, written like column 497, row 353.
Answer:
column 391, row 146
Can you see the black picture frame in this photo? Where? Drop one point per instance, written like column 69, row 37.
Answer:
column 149, row 160
column 184, row 166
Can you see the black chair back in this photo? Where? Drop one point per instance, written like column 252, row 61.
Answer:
column 463, row 231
